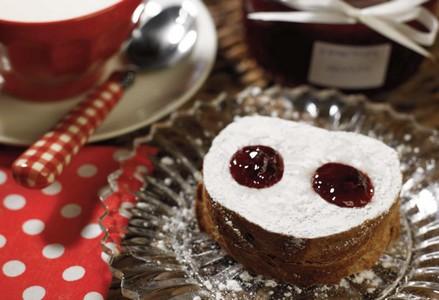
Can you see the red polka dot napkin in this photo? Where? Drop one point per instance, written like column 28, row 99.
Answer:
column 50, row 239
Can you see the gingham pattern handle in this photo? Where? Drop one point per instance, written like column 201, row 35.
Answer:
column 45, row 160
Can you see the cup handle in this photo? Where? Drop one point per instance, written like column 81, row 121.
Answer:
column 5, row 65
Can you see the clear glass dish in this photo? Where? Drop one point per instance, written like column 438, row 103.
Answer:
column 163, row 255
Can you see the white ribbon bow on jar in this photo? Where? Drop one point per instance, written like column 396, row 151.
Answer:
column 388, row 18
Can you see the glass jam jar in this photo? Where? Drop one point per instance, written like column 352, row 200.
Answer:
column 350, row 57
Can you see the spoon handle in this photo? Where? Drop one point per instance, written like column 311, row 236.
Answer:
column 45, row 160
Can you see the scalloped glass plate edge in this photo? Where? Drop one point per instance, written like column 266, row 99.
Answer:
column 165, row 257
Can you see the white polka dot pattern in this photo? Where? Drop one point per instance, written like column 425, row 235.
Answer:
column 35, row 292
column 13, row 268
column 3, row 177
column 121, row 154
column 2, row 241
column 53, row 189
column 91, row 231
column 73, row 273
column 71, row 210
column 50, row 238
column 53, row 251
column 14, row 202
column 93, row 296
column 33, row 227
column 87, row 171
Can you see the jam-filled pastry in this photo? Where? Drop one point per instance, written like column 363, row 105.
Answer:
column 298, row 203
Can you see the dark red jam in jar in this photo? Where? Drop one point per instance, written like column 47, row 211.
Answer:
column 343, row 185
column 257, row 166
column 351, row 57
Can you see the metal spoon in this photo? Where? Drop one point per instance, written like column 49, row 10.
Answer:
column 160, row 41
column 163, row 40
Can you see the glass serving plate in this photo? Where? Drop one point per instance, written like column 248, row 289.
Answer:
column 163, row 255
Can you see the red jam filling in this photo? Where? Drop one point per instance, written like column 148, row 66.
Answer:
column 257, row 166
column 343, row 185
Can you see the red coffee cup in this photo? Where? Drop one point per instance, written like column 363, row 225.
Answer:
column 58, row 59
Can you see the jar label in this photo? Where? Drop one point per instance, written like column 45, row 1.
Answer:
column 349, row 67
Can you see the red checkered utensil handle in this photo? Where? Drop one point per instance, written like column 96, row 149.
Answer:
column 45, row 160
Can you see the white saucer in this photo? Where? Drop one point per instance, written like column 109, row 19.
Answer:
column 154, row 94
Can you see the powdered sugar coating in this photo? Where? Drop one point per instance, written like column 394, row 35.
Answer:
column 291, row 206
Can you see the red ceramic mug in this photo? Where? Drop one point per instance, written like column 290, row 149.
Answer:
column 58, row 59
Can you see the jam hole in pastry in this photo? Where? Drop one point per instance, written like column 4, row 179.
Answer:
column 257, row 166
column 343, row 185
